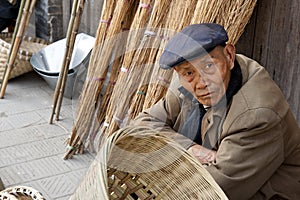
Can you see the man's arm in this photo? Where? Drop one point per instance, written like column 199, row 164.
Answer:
column 162, row 116
column 249, row 154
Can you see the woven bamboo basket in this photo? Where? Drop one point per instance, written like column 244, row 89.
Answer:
column 28, row 47
column 140, row 163
column 20, row 193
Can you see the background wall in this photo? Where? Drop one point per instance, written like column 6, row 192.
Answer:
column 272, row 38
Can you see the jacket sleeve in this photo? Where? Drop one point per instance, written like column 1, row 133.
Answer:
column 162, row 117
column 249, row 154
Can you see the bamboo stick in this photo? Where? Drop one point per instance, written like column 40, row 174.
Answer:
column 77, row 9
column 22, row 4
column 27, row 7
column 67, row 67
column 65, row 59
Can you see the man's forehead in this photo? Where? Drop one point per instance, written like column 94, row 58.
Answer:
column 192, row 63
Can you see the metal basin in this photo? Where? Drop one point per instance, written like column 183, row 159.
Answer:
column 48, row 61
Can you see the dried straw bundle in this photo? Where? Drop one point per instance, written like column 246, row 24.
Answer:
column 178, row 17
column 124, row 11
column 104, row 23
column 140, row 163
column 234, row 16
column 125, row 40
column 132, row 48
column 134, row 66
column 155, row 32
column 207, row 11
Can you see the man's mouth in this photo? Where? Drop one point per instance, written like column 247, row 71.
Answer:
column 204, row 95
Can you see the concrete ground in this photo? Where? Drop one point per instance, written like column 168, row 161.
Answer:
column 32, row 150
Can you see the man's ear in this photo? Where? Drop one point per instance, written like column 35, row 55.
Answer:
column 229, row 51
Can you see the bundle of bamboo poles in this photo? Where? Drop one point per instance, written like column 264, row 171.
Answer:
column 25, row 11
column 77, row 9
column 138, row 81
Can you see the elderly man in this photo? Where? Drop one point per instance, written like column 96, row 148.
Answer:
column 230, row 115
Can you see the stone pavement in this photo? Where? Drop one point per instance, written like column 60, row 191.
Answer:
column 32, row 150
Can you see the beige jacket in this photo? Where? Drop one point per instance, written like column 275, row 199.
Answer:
column 258, row 147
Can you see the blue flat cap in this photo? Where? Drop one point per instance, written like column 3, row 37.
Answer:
column 191, row 42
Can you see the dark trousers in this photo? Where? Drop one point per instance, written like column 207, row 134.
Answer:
column 4, row 23
column 8, row 13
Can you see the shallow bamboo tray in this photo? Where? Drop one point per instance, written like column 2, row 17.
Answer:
column 28, row 47
column 140, row 163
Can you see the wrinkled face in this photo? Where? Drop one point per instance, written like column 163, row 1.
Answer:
column 207, row 77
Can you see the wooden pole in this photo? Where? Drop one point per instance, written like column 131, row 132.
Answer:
column 74, row 22
column 22, row 22
column 69, row 56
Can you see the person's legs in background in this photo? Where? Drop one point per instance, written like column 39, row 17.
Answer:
column 8, row 13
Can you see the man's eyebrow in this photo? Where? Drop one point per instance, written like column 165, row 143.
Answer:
column 208, row 59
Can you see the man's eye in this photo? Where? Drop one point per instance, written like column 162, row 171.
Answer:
column 207, row 66
column 188, row 73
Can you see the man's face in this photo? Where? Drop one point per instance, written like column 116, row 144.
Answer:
column 207, row 77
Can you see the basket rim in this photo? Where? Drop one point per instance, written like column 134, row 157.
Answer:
column 5, row 46
column 24, row 190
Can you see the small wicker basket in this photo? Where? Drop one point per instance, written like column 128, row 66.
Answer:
column 140, row 163
column 28, row 47
column 20, row 193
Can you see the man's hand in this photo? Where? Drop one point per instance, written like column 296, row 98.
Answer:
column 204, row 155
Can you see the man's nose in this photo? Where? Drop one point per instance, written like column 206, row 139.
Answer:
column 201, row 82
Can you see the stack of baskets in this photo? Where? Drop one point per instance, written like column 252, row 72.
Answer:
column 28, row 47
column 140, row 163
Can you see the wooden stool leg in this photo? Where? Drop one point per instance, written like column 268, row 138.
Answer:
column 1, row 185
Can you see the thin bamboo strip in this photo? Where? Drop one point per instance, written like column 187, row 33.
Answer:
column 94, row 82
column 26, row 13
column 160, row 79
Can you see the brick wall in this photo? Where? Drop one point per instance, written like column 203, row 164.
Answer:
column 49, row 23
column 52, row 18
